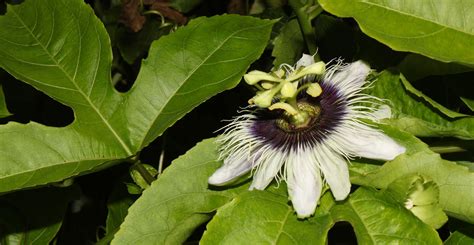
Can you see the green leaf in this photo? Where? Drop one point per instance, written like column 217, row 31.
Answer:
column 184, row 6
column 24, row 223
column 457, row 238
column 438, row 106
column 288, row 45
column 178, row 202
column 456, row 182
column 377, row 219
column 134, row 45
column 413, row 114
column 442, row 30
column 166, row 91
column 3, row 106
column 264, row 217
column 415, row 67
column 468, row 102
column 62, row 49
column 117, row 206
column 421, row 197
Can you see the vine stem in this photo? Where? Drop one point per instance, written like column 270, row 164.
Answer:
column 305, row 26
column 144, row 173
column 162, row 154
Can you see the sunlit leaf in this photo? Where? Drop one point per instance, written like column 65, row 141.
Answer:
column 62, row 49
column 377, row 219
column 442, row 30
column 457, row 238
column 456, row 182
column 264, row 217
column 179, row 201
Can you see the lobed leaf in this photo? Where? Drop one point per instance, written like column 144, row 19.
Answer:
column 62, row 49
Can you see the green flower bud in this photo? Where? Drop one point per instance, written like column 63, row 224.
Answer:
column 421, row 197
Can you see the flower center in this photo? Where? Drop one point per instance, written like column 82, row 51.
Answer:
column 306, row 118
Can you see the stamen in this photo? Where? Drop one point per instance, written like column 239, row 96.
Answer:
column 284, row 106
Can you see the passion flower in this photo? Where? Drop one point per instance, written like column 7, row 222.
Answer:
column 307, row 138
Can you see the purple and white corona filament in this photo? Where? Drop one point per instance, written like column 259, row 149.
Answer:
column 307, row 138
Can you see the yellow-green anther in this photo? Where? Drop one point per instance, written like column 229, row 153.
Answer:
column 314, row 90
column 284, row 106
column 315, row 69
column 264, row 99
column 254, row 77
column 267, row 85
column 289, row 90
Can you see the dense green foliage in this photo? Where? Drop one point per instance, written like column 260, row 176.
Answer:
column 111, row 99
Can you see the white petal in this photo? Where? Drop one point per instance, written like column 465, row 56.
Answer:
column 232, row 168
column 383, row 112
column 304, row 182
column 269, row 164
column 335, row 171
column 305, row 60
column 348, row 79
column 370, row 143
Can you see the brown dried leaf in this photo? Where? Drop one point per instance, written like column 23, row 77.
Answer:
column 169, row 13
column 131, row 16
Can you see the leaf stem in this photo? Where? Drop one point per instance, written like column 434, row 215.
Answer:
column 447, row 149
column 306, row 27
column 144, row 173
